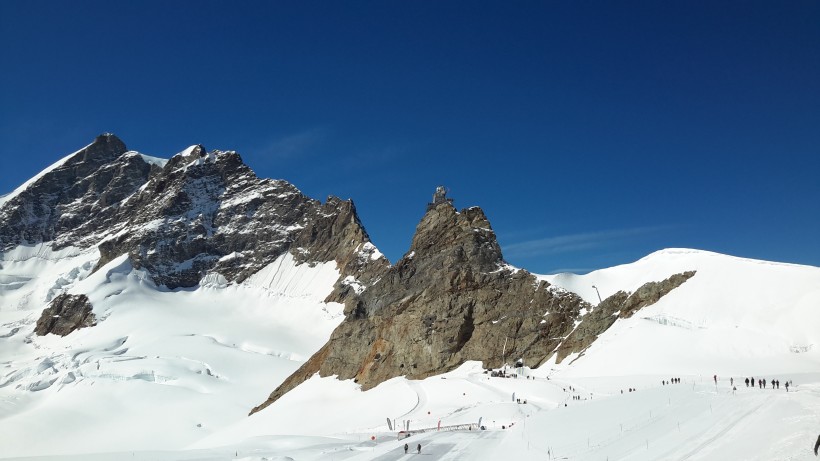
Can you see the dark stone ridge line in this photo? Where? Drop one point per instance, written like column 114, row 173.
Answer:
column 451, row 299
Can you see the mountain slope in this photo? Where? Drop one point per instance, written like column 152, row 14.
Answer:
column 738, row 315
column 452, row 299
column 208, row 286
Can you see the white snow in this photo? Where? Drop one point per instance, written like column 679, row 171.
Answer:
column 160, row 162
column 171, row 375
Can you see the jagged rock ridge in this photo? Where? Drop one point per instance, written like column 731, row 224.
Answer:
column 452, row 298
column 200, row 213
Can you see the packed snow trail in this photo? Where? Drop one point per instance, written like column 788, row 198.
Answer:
column 722, row 432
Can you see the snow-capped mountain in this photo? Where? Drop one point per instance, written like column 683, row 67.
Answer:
column 199, row 213
column 147, row 305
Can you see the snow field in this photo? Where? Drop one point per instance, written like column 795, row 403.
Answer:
column 171, row 375
column 161, row 369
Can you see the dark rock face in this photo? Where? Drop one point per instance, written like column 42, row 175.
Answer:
column 202, row 212
column 189, row 217
column 74, row 199
column 451, row 299
column 620, row 305
column 65, row 314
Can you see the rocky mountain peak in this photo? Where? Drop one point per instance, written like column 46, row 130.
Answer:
column 451, row 299
column 464, row 237
column 200, row 212
column 80, row 193
column 106, row 142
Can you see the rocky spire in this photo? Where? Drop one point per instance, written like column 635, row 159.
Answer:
column 450, row 299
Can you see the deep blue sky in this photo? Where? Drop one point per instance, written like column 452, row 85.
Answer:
column 591, row 133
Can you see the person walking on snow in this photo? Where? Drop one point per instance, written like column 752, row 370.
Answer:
column 419, row 448
column 816, row 445
column 405, row 448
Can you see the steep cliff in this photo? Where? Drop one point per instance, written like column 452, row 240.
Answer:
column 450, row 299
column 199, row 213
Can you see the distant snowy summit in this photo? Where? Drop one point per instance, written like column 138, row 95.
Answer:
column 181, row 219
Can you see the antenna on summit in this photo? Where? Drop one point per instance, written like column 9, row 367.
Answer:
column 439, row 197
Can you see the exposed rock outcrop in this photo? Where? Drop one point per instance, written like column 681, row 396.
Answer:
column 450, row 299
column 619, row 305
column 197, row 214
column 211, row 213
column 65, row 314
column 76, row 199
column 200, row 212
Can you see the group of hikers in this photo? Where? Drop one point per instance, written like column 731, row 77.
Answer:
column 671, row 381
column 406, row 447
column 761, row 383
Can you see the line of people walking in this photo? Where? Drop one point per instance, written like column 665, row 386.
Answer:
column 762, row 383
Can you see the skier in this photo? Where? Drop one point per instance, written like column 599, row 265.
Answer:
column 406, row 448
column 747, row 382
column 732, row 382
column 715, row 380
column 419, row 448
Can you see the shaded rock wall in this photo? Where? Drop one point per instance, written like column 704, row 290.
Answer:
column 450, row 299
column 65, row 314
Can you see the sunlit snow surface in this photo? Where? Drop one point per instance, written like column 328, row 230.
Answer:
column 172, row 375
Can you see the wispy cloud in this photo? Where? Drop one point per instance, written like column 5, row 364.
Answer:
column 293, row 144
column 576, row 242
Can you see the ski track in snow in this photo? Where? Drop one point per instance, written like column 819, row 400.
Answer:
column 722, row 432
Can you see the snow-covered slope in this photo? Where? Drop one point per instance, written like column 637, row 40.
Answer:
column 161, row 369
column 734, row 316
column 172, row 374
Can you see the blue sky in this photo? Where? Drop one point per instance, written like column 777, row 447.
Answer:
column 591, row 133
